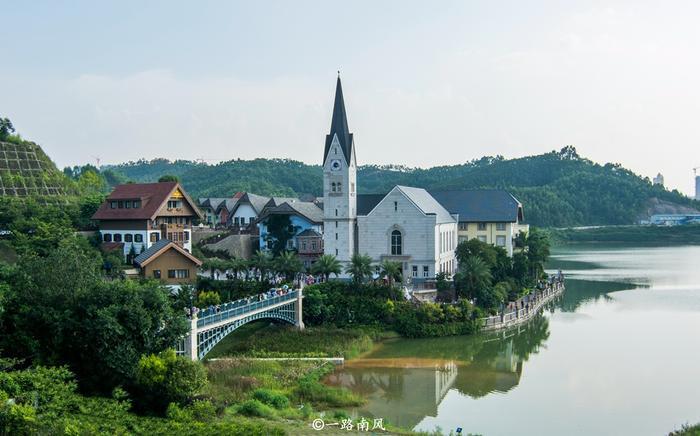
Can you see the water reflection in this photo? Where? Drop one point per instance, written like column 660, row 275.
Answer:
column 404, row 390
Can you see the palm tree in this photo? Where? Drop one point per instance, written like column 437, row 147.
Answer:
column 360, row 267
column 391, row 270
column 237, row 266
column 326, row 265
column 261, row 262
column 288, row 263
column 213, row 264
column 474, row 275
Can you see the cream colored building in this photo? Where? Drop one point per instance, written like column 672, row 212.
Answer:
column 492, row 216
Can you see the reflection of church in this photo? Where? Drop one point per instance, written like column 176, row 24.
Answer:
column 404, row 391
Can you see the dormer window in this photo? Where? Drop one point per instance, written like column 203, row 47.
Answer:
column 136, row 204
column 113, row 204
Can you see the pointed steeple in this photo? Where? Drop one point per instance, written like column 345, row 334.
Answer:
column 339, row 125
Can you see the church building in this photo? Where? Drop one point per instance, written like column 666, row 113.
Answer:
column 406, row 225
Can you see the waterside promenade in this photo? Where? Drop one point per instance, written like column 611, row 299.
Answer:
column 525, row 308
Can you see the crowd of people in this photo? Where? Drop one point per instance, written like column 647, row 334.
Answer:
column 218, row 308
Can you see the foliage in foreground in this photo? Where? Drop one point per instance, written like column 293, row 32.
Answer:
column 44, row 401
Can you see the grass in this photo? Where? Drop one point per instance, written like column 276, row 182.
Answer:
column 262, row 339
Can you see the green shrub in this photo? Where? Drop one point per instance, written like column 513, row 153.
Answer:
column 273, row 398
column 165, row 378
column 255, row 408
column 208, row 298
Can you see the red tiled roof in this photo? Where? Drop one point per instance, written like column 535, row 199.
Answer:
column 152, row 196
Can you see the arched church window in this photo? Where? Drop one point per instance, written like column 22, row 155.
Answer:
column 333, row 187
column 339, row 190
column 396, row 243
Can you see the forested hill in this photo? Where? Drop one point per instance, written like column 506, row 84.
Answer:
column 557, row 188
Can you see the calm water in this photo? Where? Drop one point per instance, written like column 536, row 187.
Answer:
column 618, row 354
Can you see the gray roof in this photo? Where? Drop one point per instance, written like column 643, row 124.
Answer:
column 310, row 232
column 256, row 201
column 212, row 202
column 308, row 210
column 339, row 126
column 150, row 251
column 425, row 202
column 485, row 205
column 366, row 202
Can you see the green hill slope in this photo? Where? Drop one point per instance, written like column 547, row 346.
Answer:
column 557, row 188
column 26, row 171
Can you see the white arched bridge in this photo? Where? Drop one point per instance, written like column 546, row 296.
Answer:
column 211, row 327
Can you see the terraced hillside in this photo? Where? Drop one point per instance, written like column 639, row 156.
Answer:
column 25, row 170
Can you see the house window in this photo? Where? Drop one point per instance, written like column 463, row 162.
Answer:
column 107, row 237
column 396, row 243
column 128, row 237
column 113, row 204
column 236, row 221
column 481, row 226
column 290, row 244
column 482, row 238
column 339, row 190
column 336, row 251
column 333, row 187
column 336, row 212
column 127, row 204
column 120, row 204
column 500, row 226
column 464, row 226
column 313, row 245
column 414, row 270
column 117, row 237
column 303, row 245
column 501, row 241
column 178, row 273
column 136, row 204
column 396, row 206
column 156, row 273
column 138, row 237
column 336, row 236
column 187, row 236
column 336, row 224
column 173, row 204
column 155, row 237
column 426, row 270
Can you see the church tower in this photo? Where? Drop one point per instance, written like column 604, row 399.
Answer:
column 339, row 186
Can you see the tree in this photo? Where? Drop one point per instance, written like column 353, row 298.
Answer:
column 279, row 232
column 214, row 264
column 164, row 378
column 60, row 311
column 168, row 178
column 474, row 275
column 238, row 266
column 537, row 252
column 360, row 267
column 288, row 263
column 391, row 271
column 6, row 128
column 326, row 265
column 261, row 262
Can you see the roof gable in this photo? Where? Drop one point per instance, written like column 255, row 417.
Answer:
column 159, row 248
column 152, row 196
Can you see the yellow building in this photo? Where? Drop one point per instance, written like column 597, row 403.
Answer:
column 492, row 216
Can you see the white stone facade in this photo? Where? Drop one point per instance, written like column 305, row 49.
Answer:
column 426, row 246
column 339, row 204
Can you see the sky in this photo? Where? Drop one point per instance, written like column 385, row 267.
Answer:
column 425, row 83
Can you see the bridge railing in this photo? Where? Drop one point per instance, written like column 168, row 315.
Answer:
column 225, row 313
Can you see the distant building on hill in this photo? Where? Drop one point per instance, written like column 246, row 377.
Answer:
column 674, row 219
column 659, row 179
column 137, row 215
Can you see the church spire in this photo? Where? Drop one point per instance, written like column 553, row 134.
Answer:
column 339, row 125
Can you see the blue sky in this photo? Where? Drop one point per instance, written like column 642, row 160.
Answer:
column 426, row 83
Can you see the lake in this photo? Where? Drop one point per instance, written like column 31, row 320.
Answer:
column 618, row 353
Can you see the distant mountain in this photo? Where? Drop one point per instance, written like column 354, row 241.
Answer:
column 557, row 189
